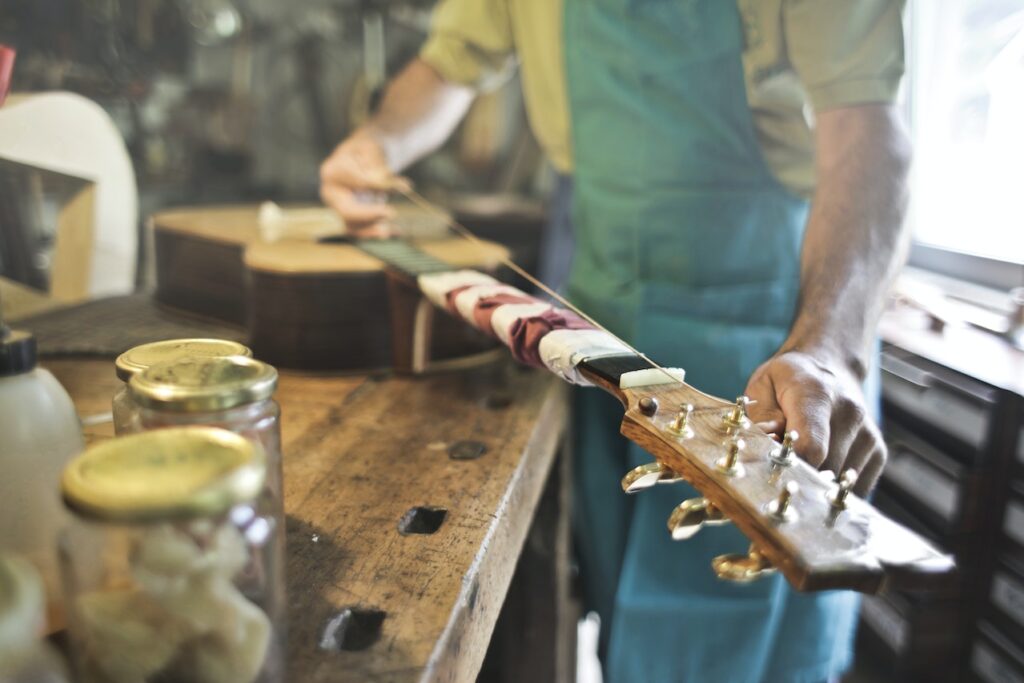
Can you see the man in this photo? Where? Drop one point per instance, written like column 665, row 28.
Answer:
column 686, row 127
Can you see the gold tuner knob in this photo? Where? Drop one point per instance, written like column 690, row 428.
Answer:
column 783, row 455
column 737, row 418
column 648, row 406
column 742, row 568
column 781, row 509
column 680, row 426
column 846, row 483
column 690, row 515
column 730, row 464
column 646, row 476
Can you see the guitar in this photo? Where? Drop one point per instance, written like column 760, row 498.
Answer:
column 309, row 298
column 804, row 524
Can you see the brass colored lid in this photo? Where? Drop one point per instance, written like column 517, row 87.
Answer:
column 22, row 604
column 181, row 472
column 202, row 384
column 136, row 359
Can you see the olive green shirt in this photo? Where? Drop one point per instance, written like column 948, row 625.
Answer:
column 799, row 56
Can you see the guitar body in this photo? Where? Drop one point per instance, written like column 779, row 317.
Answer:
column 306, row 301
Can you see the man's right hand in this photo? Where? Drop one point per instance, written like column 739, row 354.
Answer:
column 354, row 181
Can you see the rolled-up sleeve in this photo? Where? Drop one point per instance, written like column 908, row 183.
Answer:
column 845, row 52
column 471, row 42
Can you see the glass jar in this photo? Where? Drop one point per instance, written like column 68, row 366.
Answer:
column 234, row 393
column 136, row 359
column 24, row 656
column 171, row 567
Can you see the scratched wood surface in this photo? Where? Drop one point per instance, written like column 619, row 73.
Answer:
column 359, row 453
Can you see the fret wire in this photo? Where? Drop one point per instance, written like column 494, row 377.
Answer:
column 401, row 186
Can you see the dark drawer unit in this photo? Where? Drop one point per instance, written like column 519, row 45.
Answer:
column 952, row 411
column 1011, row 529
column 1018, row 464
column 995, row 658
column 956, row 475
column 1006, row 601
column 933, row 485
column 916, row 640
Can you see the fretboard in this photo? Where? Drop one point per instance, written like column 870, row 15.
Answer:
column 612, row 368
column 403, row 256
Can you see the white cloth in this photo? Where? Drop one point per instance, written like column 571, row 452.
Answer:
column 467, row 299
column 562, row 350
column 437, row 285
column 507, row 315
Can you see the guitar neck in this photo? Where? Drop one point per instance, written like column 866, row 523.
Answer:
column 823, row 538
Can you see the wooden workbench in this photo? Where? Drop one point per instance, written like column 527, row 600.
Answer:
column 369, row 603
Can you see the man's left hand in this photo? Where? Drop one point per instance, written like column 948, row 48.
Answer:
column 825, row 404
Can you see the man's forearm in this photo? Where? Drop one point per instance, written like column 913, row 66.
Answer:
column 419, row 111
column 854, row 242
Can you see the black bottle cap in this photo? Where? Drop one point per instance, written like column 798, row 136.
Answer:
column 17, row 352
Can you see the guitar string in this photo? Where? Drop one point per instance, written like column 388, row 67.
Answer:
column 464, row 232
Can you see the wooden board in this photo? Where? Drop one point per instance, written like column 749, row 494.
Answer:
column 359, row 454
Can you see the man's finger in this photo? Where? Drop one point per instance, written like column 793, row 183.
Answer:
column 351, row 209
column 360, row 174
column 857, row 456
column 810, row 420
column 847, row 421
column 381, row 230
column 868, row 477
column 772, row 427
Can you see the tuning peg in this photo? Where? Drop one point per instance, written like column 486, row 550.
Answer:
column 846, row 483
column 742, row 568
column 648, row 406
column 737, row 418
column 680, row 426
column 646, row 476
column 781, row 509
column 690, row 515
column 783, row 455
column 730, row 464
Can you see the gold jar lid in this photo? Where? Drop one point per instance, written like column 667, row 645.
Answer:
column 136, row 359
column 181, row 472
column 202, row 384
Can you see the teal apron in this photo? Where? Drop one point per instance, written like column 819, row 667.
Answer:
column 689, row 248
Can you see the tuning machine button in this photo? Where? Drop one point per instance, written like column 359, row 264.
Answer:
column 730, row 464
column 846, row 483
column 781, row 509
column 742, row 568
column 783, row 456
column 690, row 515
column 680, row 426
column 646, row 476
column 736, row 418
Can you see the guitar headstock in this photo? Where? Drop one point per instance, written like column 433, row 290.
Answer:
column 801, row 522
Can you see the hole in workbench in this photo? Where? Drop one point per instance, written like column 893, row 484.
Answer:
column 353, row 628
column 466, row 450
column 422, row 520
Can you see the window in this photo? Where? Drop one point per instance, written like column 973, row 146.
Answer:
column 965, row 94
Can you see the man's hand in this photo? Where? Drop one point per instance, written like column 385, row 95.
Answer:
column 419, row 111
column 825, row 405
column 853, row 246
column 354, row 181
